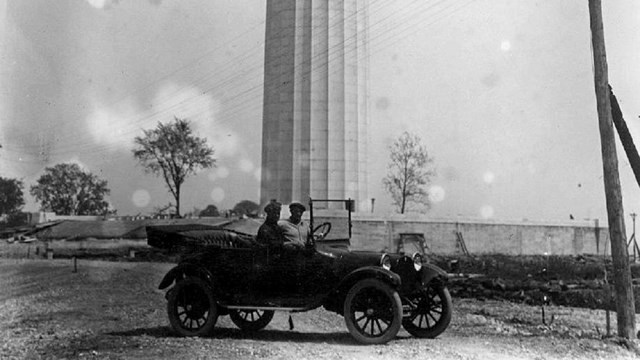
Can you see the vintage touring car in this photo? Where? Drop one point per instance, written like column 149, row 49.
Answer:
column 228, row 273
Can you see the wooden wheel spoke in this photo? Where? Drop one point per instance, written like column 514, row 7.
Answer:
column 364, row 327
column 435, row 310
column 433, row 318
column 378, row 325
column 414, row 315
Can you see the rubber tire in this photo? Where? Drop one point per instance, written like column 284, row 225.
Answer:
column 441, row 324
column 391, row 295
column 250, row 326
column 172, row 309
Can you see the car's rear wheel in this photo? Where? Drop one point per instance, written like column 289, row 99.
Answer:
column 372, row 312
column 430, row 312
column 192, row 307
column 251, row 320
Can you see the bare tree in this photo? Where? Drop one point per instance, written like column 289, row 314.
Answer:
column 171, row 150
column 409, row 172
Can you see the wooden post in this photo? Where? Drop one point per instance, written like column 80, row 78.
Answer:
column 625, row 306
column 633, row 236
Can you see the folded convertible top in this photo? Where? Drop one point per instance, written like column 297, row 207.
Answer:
column 195, row 235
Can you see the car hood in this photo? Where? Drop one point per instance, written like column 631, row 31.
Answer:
column 352, row 257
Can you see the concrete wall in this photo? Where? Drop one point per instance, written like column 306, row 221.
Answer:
column 44, row 216
column 480, row 236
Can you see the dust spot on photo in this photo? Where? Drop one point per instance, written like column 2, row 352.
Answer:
column 491, row 80
column 382, row 103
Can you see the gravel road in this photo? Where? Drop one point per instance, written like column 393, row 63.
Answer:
column 112, row 310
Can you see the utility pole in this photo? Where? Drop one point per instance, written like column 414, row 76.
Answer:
column 625, row 306
column 633, row 237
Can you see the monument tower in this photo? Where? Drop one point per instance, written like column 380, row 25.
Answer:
column 315, row 101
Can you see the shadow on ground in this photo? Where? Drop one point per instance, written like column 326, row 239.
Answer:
column 262, row 335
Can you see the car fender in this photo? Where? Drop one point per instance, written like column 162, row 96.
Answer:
column 367, row 272
column 182, row 270
column 431, row 272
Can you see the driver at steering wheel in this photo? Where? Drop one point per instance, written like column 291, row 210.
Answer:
column 294, row 229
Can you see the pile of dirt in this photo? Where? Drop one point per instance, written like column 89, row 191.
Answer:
column 578, row 281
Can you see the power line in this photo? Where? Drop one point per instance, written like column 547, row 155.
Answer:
column 163, row 110
column 238, row 98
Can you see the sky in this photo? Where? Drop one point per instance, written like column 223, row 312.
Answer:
column 500, row 92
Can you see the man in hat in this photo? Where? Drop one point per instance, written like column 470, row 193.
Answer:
column 269, row 232
column 294, row 229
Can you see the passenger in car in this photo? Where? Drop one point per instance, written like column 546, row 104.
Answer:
column 269, row 232
column 294, row 229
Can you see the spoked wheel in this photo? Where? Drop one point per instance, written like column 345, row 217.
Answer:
column 251, row 320
column 430, row 312
column 372, row 312
column 192, row 308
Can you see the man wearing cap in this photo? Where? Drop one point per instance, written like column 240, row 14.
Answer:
column 294, row 229
column 269, row 232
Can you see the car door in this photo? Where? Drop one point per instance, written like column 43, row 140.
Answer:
column 318, row 274
column 277, row 272
column 233, row 271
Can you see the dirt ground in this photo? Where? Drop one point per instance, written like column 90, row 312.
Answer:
column 112, row 310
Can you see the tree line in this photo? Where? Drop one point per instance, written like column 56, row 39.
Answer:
column 173, row 152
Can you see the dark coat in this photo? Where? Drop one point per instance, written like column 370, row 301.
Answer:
column 270, row 234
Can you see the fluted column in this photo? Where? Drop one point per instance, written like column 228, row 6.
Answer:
column 314, row 119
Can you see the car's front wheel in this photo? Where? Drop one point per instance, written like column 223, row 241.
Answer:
column 192, row 307
column 430, row 312
column 251, row 320
column 372, row 312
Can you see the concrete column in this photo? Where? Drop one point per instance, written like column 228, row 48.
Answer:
column 336, row 126
column 314, row 125
column 277, row 130
column 302, row 104
column 362, row 49
column 319, row 100
column 351, row 116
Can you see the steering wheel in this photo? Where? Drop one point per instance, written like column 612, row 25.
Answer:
column 323, row 230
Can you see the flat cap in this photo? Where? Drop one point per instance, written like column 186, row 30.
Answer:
column 297, row 205
column 272, row 206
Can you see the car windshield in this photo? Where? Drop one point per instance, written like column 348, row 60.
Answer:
column 335, row 212
column 412, row 243
column 412, row 248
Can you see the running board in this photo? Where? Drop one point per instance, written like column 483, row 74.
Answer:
column 274, row 308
